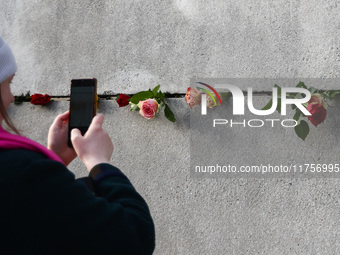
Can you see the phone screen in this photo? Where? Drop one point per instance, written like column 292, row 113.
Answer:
column 82, row 104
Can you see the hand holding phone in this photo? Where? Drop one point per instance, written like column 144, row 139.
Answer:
column 96, row 147
column 82, row 105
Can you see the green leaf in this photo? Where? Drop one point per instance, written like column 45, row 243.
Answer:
column 169, row 114
column 301, row 85
column 278, row 107
column 141, row 96
column 134, row 107
column 160, row 95
column 278, row 89
column 297, row 115
column 337, row 92
column 302, row 130
column 269, row 105
column 325, row 95
column 161, row 105
column 312, row 90
column 155, row 90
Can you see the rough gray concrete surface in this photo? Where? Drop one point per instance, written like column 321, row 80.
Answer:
column 134, row 45
column 213, row 216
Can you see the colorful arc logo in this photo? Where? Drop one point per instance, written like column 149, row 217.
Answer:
column 213, row 90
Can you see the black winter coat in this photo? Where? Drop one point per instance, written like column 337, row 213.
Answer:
column 45, row 210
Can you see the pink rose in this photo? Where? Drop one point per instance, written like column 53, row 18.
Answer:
column 193, row 97
column 210, row 102
column 148, row 108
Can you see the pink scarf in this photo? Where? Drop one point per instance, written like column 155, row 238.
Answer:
column 11, row 141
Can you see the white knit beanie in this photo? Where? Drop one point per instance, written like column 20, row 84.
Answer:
column 8, row 67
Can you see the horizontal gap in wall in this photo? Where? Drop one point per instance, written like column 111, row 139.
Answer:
column 26, row 98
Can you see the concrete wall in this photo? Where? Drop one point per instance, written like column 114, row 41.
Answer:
column 128, row 45
column 134, row 45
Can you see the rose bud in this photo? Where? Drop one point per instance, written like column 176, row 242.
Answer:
column 122, row 100
column 148, row 108
column 318, row 112
column 39, row 99
column 193, row 97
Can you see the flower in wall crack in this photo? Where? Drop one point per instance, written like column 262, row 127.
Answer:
column 316, row 106
column 148, row 103
column 148, row 108
column 39, row 99
column 211, row 101
column 193, row 97
column 123, row 100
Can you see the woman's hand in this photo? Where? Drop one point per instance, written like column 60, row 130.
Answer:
column 58, row 136
column 95, row 146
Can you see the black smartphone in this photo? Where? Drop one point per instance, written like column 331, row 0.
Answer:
column 83, row 105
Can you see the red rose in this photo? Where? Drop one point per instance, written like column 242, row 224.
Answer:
column 318, row 112
column 122, row 100
column 39, row 99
